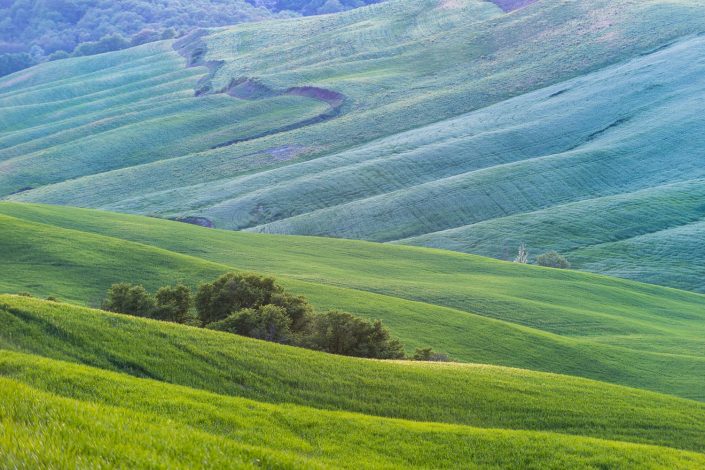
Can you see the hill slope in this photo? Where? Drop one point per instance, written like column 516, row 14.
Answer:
column 482, row 396
column 481, row 167
column 473, row 308
column 33, row 32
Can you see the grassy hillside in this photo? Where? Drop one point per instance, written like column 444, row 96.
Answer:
column 479, row 91
column 466, row 395
column 593, row 172
column 54, row 420
column 34, row 32
column 473, row 308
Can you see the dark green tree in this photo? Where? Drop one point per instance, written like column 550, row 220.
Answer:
column 173, row 303
column 268, row 322
column 233, row 292
column 131, row 299
column 345, row 334
column 296, row 307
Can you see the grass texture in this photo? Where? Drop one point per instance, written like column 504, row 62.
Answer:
column 475, row 309
column 463, row 127
column 213, row 399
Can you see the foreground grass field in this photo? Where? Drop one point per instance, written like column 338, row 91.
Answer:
column 46, row 424
column 59, row 407
column 459, row 126
column 474, row 309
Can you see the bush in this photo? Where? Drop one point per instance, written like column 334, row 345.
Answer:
column 233, row 292
column 173, row 303
column 268, row 322
column 429, row 355
column 553, row 260
column 345, row 334
column 131, row 299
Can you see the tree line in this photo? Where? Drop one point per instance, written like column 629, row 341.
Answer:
column 258, row 307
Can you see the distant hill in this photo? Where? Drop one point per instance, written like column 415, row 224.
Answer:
column 449, row 124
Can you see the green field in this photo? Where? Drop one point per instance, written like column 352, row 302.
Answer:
column 387, row 161
column 463, row 127
column 475, row 309
column 75, row 383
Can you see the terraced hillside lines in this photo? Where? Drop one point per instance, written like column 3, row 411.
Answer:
column 130, row 108
column 484, row 178
column 68, row 413
column 401, row 65
column 474, row 309
column 476, row 395
column 652, row 116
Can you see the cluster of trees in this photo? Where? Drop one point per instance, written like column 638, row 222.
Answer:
column 34, row 31
column 257, row 307
column 551, row 259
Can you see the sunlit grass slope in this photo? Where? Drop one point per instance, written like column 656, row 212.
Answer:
column 467, row 395
column 488, row 144
column 475, row 309
column 57, row 414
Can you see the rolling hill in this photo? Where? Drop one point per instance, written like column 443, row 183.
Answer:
column 475, row 309
column 458, row 125
column 385, row 161
column 33, row 32
column 73, row 390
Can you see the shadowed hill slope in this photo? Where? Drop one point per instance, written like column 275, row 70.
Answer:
column 474, row 309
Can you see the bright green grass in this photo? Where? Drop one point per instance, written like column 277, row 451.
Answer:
column 465, row 182
column 59, row 415
column 475, row 395
column 475, row 309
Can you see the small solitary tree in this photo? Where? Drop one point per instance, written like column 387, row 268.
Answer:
column 522, row 255
column 553, row 260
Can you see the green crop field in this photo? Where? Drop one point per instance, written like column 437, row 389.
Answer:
column 475, row 309
column 455, row 125
column 387, row 161
column 76, row 383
